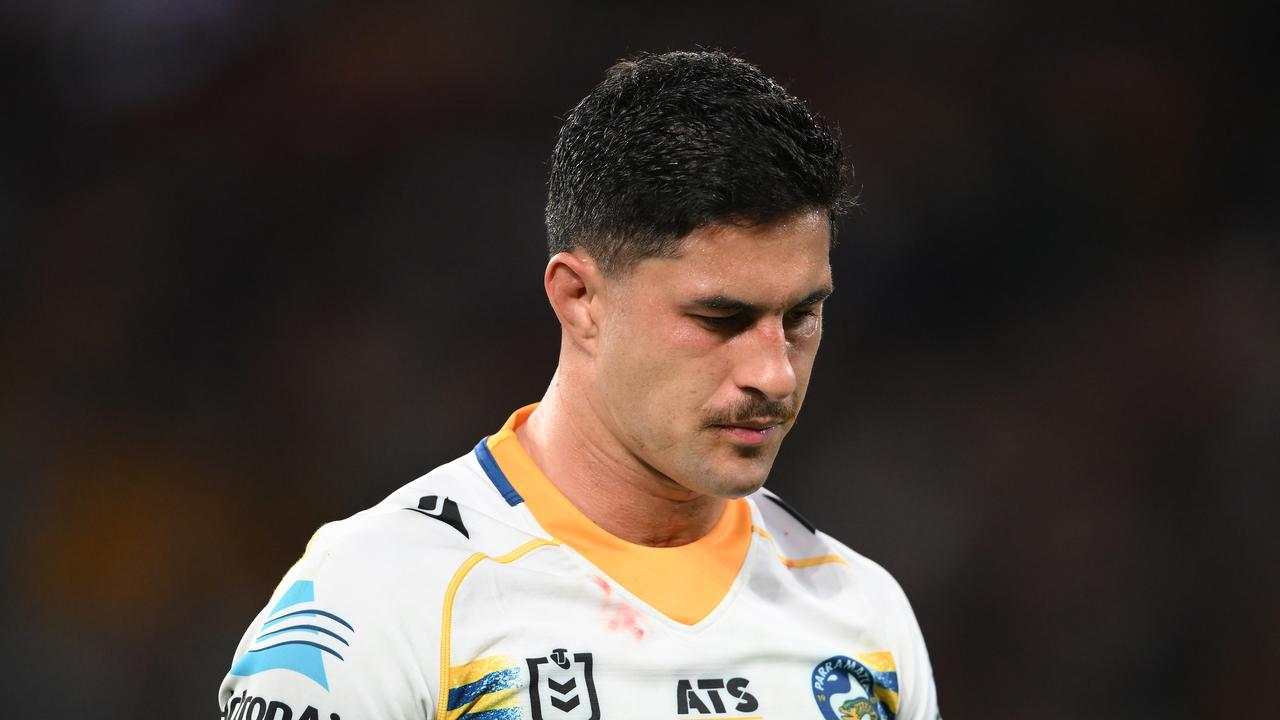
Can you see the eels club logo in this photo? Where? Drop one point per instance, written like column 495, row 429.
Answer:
column 846, row 689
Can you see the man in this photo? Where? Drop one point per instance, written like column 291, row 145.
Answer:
column 609, row 553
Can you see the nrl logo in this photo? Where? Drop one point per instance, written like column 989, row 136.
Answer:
column 561, row 687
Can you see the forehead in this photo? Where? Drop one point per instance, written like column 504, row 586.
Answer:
column 766, row 264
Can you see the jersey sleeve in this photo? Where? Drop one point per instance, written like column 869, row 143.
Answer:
column 917, row 692
column 338, row 640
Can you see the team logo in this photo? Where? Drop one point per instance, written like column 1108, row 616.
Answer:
column 561, row 687
column 298, row 636
column 846, row 689
column 444, row 510
column 707, row 696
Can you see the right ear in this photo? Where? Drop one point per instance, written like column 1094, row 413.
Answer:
column 575, row 285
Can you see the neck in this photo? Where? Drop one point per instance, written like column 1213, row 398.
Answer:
column 618, row 491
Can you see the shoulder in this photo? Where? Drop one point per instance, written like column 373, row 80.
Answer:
column 863, row 588
column 393, row 561
column 800, row 544
column 443, row 516
column 355, row 623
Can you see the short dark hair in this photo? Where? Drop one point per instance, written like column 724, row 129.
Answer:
column 669, row 143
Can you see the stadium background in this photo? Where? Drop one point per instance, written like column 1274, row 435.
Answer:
column 261, row 263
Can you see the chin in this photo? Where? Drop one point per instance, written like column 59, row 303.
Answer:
column 734, row 484
column 722, row 472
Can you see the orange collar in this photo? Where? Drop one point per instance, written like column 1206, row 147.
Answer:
column 685, row 583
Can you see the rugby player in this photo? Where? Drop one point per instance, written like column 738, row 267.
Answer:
column 610, row 552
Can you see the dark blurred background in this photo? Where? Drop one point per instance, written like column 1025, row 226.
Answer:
column 262, row 263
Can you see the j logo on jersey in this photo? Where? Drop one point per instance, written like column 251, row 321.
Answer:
column 861, row 689
column 561, row 687
column 442, row 509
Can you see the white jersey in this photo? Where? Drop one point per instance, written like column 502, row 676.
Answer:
column 478, row 592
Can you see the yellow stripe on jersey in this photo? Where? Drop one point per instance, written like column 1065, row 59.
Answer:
column 799, row 562
column 468, row 673
column 446, row 618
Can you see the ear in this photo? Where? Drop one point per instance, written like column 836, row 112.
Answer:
column 575, row 286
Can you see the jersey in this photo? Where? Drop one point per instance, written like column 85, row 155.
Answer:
column 479, row 592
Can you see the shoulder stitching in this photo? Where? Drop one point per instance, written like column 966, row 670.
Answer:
column 793, row 563
column 446, row 613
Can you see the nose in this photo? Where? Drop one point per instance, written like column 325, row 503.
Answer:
column 764, row 362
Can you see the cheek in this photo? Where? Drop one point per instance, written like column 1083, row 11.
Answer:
column 802, row 358
column 631, row 362
column 663, row 370
column 689, row 362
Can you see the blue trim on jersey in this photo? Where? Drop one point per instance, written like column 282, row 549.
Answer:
column 313, row 629
column 501, row 714
column 308, row 643
column 886, row 680
column 495, row 474
column 493, row 682
column 301, row 591
column 306, row 659
column 307, row 613
column 511, row 713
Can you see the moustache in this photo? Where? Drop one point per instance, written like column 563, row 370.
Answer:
column 753, row 409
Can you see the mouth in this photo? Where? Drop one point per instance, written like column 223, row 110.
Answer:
column 750, row 432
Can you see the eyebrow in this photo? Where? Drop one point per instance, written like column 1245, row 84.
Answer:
column 724, row 303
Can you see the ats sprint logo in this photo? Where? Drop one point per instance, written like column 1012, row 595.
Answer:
column 714, row 696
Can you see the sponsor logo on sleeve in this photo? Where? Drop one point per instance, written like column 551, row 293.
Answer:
column 561, row 687
column 865, row 688
column 714, row 697
column 298, row 636
column 247, row 707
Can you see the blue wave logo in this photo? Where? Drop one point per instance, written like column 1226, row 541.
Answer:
column 297, row 636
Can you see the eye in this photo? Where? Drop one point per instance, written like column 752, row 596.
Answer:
column 720, row 323
column 802, row 318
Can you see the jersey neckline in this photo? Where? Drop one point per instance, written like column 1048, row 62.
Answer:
column 685, row 583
